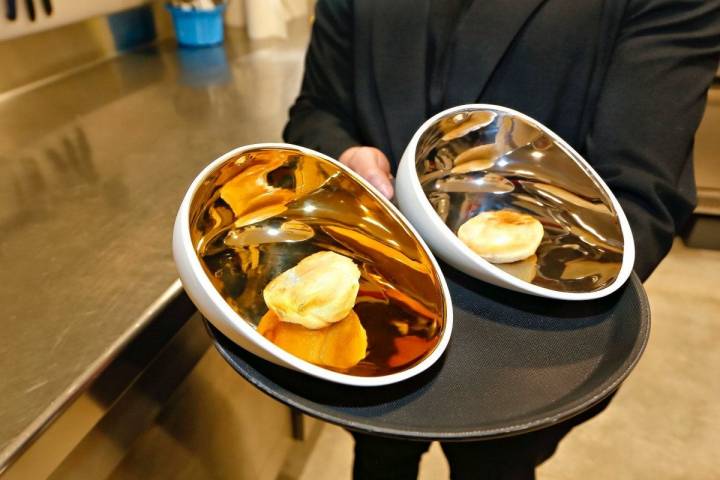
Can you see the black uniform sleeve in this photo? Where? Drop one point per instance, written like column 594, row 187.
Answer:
column 650, row 105
column 322, row 117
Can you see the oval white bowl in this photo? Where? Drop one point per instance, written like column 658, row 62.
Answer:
column 212, row 305
column 416, row 207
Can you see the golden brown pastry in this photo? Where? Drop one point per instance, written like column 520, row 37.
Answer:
column 502, row 236
column 318, row 291
column 341, row 345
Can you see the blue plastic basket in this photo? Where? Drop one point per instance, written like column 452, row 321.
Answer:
column 198, row 28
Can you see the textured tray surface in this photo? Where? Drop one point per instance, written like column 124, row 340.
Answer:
column 515, row 363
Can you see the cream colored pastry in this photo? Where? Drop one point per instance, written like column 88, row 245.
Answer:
column 318, row 291
column 502, row 236
column 341, row 345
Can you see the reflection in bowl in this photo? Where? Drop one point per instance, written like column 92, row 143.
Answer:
column 480, row 158
column 258, row 211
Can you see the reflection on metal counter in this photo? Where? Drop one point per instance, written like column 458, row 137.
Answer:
column 93, row 163
column 477, row 161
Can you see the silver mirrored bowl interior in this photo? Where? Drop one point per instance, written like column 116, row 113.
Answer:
column 471, row 161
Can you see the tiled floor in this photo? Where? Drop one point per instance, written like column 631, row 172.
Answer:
column 664, row 423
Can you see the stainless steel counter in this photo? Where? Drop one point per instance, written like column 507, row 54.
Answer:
column 92, row 170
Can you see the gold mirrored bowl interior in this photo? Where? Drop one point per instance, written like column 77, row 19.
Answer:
column 477, row 160
column 263, row 211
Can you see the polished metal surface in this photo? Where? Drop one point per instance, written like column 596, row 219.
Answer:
column 484, row 160
column 92, row 170
column 217, row 426
column 266, row 209
column 129, row 414
column 143, row 373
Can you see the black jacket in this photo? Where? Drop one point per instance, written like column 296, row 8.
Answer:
column 623, row 81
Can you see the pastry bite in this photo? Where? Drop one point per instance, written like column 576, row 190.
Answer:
column 502, row 236
column 317, row 292
column 341, row 345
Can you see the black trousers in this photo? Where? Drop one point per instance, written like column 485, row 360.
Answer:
column 510, row 458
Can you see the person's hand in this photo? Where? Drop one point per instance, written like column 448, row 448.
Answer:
column 371, row 164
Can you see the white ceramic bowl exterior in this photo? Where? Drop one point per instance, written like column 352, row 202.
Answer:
column 417, row 209
column 212, row 305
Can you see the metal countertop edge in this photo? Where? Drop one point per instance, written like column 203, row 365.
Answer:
column 62, row 75
column 17, row 446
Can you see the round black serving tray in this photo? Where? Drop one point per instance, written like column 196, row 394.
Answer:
column 515, row 363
